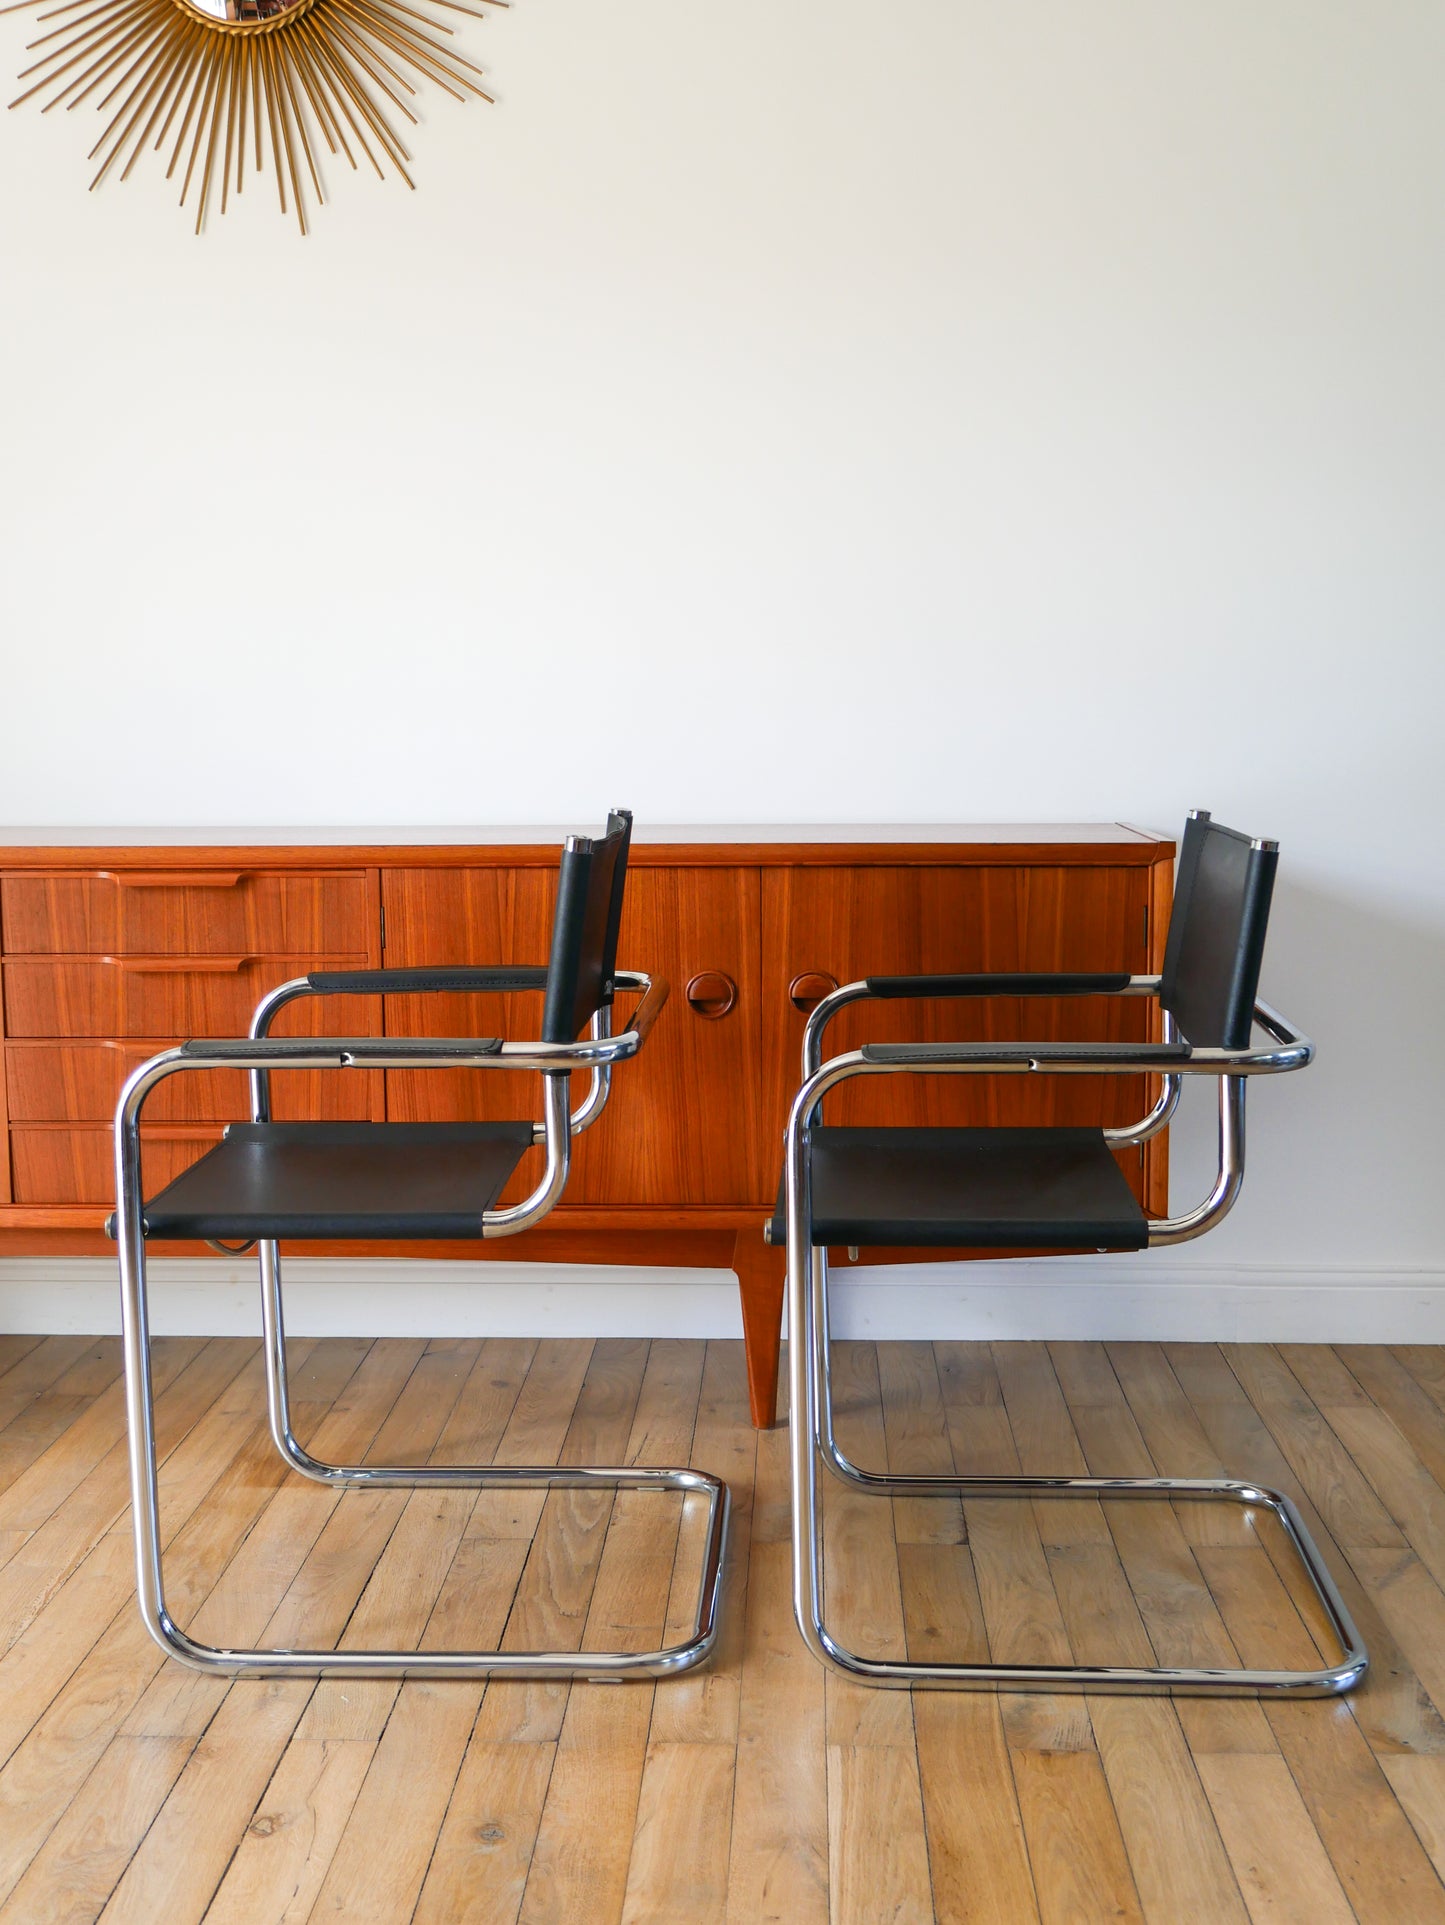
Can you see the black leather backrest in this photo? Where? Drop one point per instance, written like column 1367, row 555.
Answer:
column 584, row 931
column 1216, row 933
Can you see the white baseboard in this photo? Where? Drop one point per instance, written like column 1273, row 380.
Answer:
column 1065, row 1297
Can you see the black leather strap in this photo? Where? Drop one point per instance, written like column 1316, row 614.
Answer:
column 276, row 1049
column 1025, row 984
column 1146, row 1053
column 408, row 982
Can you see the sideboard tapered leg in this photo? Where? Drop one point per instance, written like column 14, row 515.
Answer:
column 761, row 1272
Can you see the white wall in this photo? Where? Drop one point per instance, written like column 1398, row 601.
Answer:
column 937, row 411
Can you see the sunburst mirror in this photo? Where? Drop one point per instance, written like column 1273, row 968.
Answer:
column 208, row 80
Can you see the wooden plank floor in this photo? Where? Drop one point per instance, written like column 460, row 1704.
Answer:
column 758, row 1790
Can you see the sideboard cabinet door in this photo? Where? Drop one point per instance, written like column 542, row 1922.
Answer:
column 474, row 918
column 683, row 1124
column 847, row 923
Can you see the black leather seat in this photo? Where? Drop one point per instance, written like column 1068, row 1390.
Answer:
column 993, row 1189
column 338, row 1180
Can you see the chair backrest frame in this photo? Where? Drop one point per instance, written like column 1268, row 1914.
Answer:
column 1217, row 925
column 582, row 967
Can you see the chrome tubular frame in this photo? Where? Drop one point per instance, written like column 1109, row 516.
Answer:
column 811, row 1435
column 554, row 1061
column 1165, row 1104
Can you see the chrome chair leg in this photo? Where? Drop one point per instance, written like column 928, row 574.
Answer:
column 812, row 1439
column 601, row 1666
column 842, row 1467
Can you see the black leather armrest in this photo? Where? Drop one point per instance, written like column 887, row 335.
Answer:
column 262, row 1050
column 409, row 982
column 1064, row 984
column 1113, row 1055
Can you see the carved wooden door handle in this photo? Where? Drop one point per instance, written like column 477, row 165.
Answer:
column 805, row 992
column 711, row 994
column 172, row 879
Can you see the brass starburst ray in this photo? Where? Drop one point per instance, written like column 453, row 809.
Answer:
column 296, row 76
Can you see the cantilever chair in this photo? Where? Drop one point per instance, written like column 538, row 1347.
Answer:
column 1037, row 1189
column 325, row 1180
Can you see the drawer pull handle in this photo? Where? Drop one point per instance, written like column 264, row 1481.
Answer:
column 178, row 965
column 160, row 879
column 711, row 994
column 805, row 992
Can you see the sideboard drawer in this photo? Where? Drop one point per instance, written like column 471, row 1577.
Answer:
column 77, row 1164
column 169, row 996
column 81, row 1082
column 184, row 913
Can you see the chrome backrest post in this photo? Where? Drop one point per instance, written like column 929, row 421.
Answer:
column 819, row 1018
column 265, row 1010
column 600, row 1086
column 1165, row 1103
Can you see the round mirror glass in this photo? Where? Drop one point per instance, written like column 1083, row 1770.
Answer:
column 244, row 12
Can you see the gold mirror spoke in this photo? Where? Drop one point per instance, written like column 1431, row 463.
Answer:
column 184, row 70
column 202, row 68
column 228, row 54
column 284, row 53
column 423, row 52
column 278, row 61
column 326, row 70
column 320, row 105
column 242, row 97
column 154, row 50
column 406, row 48
column 447, row 53
column 231, row 75
column 106, row 20
column 71, row 26
column 212, row 70
column 263, row 54
column 153, row 76
column 173, row 83
column 53, row 13
column 93, row 76
column 119, row 24
column 364, row 56
column 377, row 120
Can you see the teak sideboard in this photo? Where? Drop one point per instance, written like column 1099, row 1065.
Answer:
column 112, row 951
